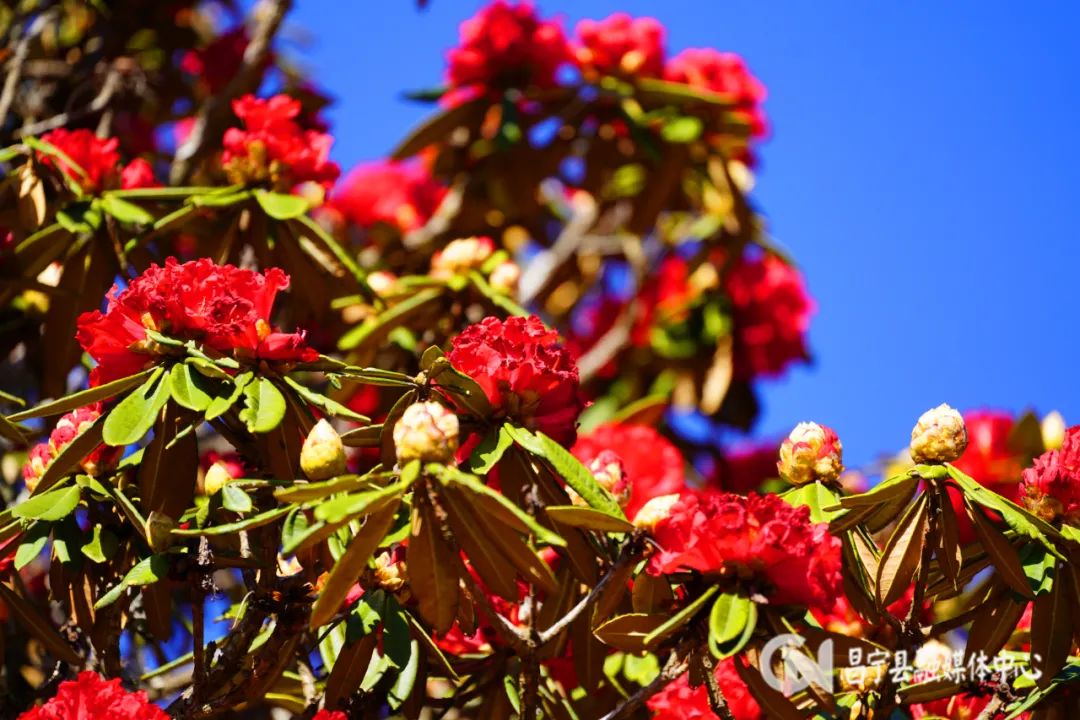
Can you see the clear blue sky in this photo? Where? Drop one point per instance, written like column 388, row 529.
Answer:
column 924, row 169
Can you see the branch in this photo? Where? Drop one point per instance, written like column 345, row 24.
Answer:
column 15, row 66
column 717, row 701
column 98, row 104
column 629, row 555
column 215, row 111
column 674, row 667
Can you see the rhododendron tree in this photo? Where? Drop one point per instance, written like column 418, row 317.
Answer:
column 448, row 435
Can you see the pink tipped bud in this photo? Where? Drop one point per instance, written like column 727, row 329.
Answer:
column 654, row 511
column 461, row 256
column 607, row 468
column 939, row 436
column 323, row 454
column 811, row 452
column 427, row 431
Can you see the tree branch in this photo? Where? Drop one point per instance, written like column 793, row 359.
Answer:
column 629, row 555
column 674, row 667
column 717, row 701
column 210, row 121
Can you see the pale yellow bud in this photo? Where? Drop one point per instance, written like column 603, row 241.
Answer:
column 460, row 256
column 159, row 527
column 323, row 454
column 217, row 476
column 939, row 436
column 655, row 510
column 427, row 431
column 391, row 572
column 933, row 659
column 505, row 276
column 811, row 452
column 1053, row 430
column 382, row 282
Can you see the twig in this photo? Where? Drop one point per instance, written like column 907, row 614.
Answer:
column 674, row 667
column 629, row 555
column 717, row 701
column 98, row 104
column 215, row 112
column 18, row 59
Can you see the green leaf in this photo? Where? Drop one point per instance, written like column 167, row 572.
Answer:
column 682, row 617
column 235, row 499
column 489, row 451
column 124, row 211
column 497, row 298
column 817, row 497
column 1016, row 517
column 188, row 387
column 306, row 492
column 327, row 405
column 587, row 518
column 684, row 129
column 33, row 542
column 83, row 398
column 147, row 572
column 220, row 199
column 101, row 546
column 731, row 623
column 406, row 678
column 569, row 468
column 264, row 518
column 221, row 403
column 79, row 217
column 358, row 504
column 281, row 206
column 294, row 529
column 429, row 357
column 135, row 414
column 264, row 406
column 1039, row 568
column 387, row 321
column 50, row 506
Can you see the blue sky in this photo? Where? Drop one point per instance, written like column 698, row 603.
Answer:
column 924, row 169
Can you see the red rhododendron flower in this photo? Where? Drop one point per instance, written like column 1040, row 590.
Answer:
column 791, row 559
column 69, row 427
column 621, row 45
column 988, row 457
column 771, row 312
column 330, row 715
column 138, row 174
column 653, row 466
column 527, row 374
column 219, row 61
column 505, row 45
column 664, row 299
column 1050, row 488
column 679, row 701
column 272, row 147
column 91, row 697
column 402, row 195
column 745, row 468
column 225, row 308
column 725, row 74
column 96, row 157
column 958, row 707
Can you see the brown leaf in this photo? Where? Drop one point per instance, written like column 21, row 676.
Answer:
column 531, row 568
column 589, row 654
column 349, row 669
column 351, row 564
column 950, row 552
column 994, row 623
column 1002, row 553
column 1051, row 629
column 493, row 566
column 433, row 575
column 31, row 206
column 611, row 597
column 166, row 475
column 775, row 705
column 157, row 604
column 628, row 632
column 30, row 618
column 652, row 594
column 902, row 554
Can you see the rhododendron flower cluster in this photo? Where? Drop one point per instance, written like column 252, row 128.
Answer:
column 679, row 701
column 225, row 308
column 273, row 148
column 91, row 697
column 402, row 195
column 529, row 377
column 724, row 73
column 69, row 427
column 98, row 160
column 653, row 466
column 756, row 539
column 621, row 45
column 1050, row 488
column 505, row 45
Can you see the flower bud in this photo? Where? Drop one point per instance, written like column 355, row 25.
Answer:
column 391, row 571
column 607, row 468
column 461, row 255
column 382, row 282
column 939, row 436
column 505, row 276
column 1053, row 430
column 217, row 476
column 159, row 527
column 323, row 454
column 933, row 660
column 811, row 452
column 427, row 431
column 655, row 510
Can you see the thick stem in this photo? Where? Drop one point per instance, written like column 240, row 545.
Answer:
column 717, row 701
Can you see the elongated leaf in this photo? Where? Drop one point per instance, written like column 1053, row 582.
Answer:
column 490, row 450
column 1052, row 624
column 630, row 632
column 71, row 456
column 349, row 566
column 484, row 555
column 902, row 553
column 231, row 393
column 405, row 680
column 50, row 506
column 1004, row 556
column 348, row 507
column 731, row 623
column 439, row 127
column 235, row 499
column 772, row 701
column 895, row 486
column 145, row 572
column 569, row 468
column 124, row 211
column 133, row 416
column 652, row 594
column 82, row 398
column 1015, row 516
column 950, row 551
column 522, row 557
column 29, row 617
column 994, row 623
column 349, row 669
column 327, row 405
column 263, row 518
column 281, row 206
column 264, row 406
column 306, row 492
column 682, row 617
column 397, row 315
column 432, row 570
column 815, row 496
column 190, row 388
column 587, row 518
